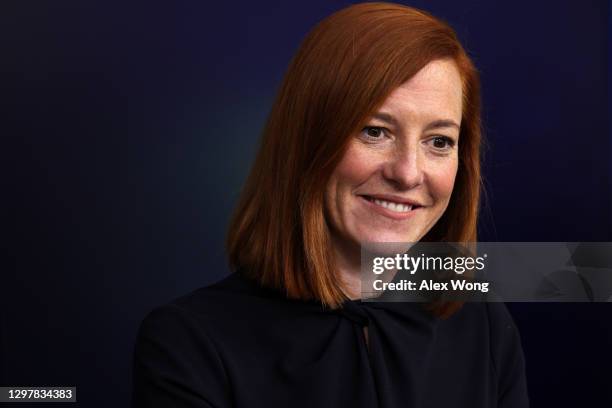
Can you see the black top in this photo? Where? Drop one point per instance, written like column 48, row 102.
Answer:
column 236, row 344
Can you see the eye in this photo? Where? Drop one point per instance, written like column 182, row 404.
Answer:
column 373, row 132
column 442, row 142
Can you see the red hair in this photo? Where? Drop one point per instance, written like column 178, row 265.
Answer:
column 343, row 71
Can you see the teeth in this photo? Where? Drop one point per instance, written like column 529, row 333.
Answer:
column 396, row 207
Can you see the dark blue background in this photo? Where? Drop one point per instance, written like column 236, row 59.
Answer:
column 128, row 129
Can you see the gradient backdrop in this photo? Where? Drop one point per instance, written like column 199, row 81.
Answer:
column 129, row 127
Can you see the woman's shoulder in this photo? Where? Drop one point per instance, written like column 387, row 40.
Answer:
column 232, row 307
column 488, row 323
column 224, row 299
column 495, row 319
column 492, row 327
column 492, row 316
column 232, row 289
column 178, row 347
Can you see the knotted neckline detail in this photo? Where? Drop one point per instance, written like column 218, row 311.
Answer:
column 355, row 312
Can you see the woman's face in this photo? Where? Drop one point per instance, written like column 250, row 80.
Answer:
column 397, row 176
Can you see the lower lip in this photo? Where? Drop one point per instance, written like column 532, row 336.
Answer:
column 388, row 213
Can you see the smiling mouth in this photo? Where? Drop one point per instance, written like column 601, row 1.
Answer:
column 391, row 205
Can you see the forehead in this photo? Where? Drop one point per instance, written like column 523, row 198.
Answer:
column 435, row 92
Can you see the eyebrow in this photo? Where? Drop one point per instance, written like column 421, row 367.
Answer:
column 385, row 117
column 442, row 123
column 436, row 124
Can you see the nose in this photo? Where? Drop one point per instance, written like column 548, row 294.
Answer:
column 403, row 168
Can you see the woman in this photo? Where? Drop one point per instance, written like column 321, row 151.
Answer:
column 374, row 137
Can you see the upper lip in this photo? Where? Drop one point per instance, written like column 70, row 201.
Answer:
column 395, row 199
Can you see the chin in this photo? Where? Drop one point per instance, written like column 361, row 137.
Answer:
column 386, row 236
column 387, row 244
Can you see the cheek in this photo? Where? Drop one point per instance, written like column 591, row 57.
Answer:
column 443, row 180
column 356, row 167
column 354, row 170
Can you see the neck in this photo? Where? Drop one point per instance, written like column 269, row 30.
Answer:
column 347, row 257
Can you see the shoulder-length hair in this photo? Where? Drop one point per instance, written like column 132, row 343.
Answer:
column 343, row 71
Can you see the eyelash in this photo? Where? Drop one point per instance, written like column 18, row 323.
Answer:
column 365, row 130
column 449, row 141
